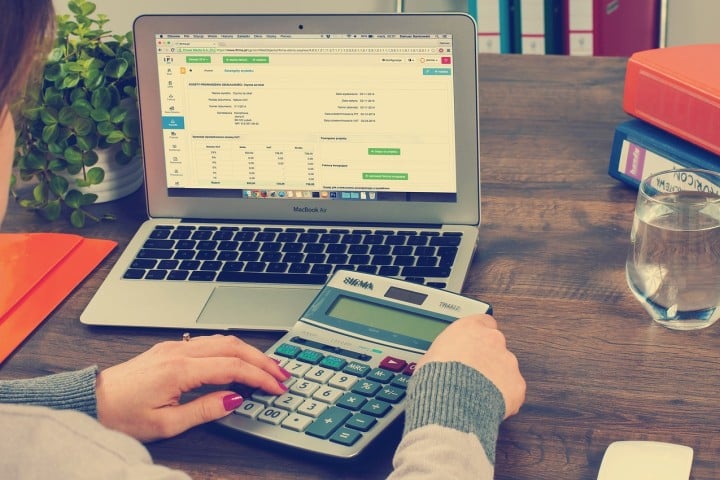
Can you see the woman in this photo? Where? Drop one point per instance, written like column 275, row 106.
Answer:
column 88, row 423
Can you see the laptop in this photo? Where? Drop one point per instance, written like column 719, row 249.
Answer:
column 281, row 148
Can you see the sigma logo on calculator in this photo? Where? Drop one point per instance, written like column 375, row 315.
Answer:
column 356, row 282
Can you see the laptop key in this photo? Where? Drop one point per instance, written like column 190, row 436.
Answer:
column 440, row 272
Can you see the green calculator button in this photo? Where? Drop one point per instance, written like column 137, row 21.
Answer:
column 329, row 421
column 310, row 356
column 346, row 437
column 361, row 422
column 287, row 350
column 355, row 368
column 334, row 363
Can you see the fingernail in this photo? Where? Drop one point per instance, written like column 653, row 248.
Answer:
column 283, row 386
column 232, row 401
column 285, row 372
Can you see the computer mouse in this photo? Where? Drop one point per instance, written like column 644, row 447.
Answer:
column 646, row 460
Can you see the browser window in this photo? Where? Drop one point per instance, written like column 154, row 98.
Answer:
column 364, row 117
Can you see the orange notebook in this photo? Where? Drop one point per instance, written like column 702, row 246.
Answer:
column 37, row 272
column 678, row 90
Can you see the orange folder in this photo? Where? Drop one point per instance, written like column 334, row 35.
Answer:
column 37, row 272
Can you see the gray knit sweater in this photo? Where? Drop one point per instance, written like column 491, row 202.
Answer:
column 451, row 426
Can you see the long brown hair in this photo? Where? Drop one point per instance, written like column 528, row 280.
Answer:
column 26, row 30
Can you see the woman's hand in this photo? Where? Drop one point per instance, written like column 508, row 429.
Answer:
column 476, row 341
column 141, row 397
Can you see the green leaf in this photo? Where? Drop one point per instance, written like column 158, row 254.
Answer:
column 50, row 133
column 74, row 67
column 52, row 210
column 100, row 115
column 34, row 161
column 107, row 51
column 53, row 72
column 88, row 199
column 84, row 126
column 73, row 168
column 56, row 54
column 94, row 79
column 70, row 81
column 115, row 137
column 54, row 99
column 116, row 67
column 77, row 218
column 101, row 98
column 131, row 128
column 95, row 175
column 82, row 107
column 130, row 91
column 76, row 95
column 48, row 116
column 118, row 114
column 56, row 165
column 75, row 7
column 67, row 116
column 58, row 185
column 73, row 156
column 40, row 193
column 87, row 142
column 88, row 8
column 105, row 128
column 73, row 198
column 32, row 113
column 90, row 158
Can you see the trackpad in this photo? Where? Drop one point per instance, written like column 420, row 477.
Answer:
column 256, row 308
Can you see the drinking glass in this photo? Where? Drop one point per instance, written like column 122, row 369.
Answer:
column 673, row 266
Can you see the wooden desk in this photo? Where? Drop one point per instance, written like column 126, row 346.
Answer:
column 550, row 259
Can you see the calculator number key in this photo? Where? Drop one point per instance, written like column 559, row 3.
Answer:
column 288, row 402
column 312, row 408
column 304, row 388
column 319, row 375
column 250, row 409
column 327, row 394
column 343, row 381
column 272, row 415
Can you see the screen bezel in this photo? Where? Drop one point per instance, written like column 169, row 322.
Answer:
column 461, row 26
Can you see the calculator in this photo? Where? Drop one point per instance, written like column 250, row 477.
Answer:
column 351, row 355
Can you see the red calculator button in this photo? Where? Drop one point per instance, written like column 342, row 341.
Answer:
column 393, row 364
column 410, row 369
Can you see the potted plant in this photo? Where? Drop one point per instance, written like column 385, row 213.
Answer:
column 83, row 107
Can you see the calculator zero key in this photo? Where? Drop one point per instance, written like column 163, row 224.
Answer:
column 351, row 355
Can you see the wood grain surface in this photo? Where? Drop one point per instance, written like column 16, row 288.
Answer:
column 550, row 259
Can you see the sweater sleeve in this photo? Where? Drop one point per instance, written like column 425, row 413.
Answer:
column 62, row 391
column 451, row 424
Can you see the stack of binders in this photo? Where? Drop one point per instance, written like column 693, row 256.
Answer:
column 674, row 96
column 567, row 27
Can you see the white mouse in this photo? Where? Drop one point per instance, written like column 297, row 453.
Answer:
column 645, row 460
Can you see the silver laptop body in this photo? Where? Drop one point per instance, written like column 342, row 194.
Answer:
column 337, row 123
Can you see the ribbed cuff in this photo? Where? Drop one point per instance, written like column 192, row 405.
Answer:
column 62, row 391
column 454, row 395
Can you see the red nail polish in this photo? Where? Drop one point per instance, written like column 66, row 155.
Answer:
column 232, row 401
column 283, row 386
column 285, row 372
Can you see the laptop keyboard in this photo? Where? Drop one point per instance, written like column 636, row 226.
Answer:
column 291, row 255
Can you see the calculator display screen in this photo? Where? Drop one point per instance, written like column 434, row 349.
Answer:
column 386, row 318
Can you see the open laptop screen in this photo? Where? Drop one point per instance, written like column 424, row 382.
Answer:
column 308, row 116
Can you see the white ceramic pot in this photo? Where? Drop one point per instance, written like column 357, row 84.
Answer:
column 120, row 180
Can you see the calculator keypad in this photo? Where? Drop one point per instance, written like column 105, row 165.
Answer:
column 330, row 397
